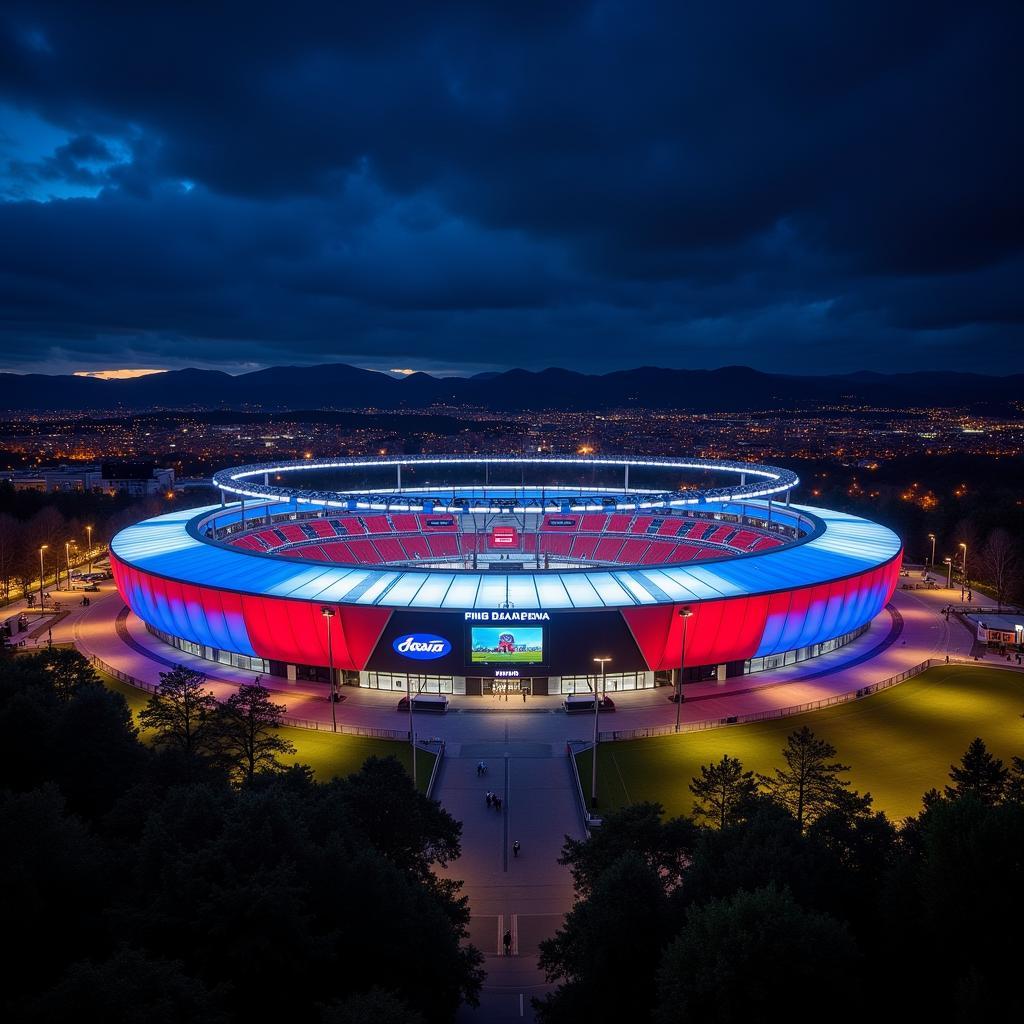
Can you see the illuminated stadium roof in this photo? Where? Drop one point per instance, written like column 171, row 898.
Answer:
column 842, row 545
column 244, row 482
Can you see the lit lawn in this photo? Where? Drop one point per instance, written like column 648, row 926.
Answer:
column 899, row 743
column 328, row 754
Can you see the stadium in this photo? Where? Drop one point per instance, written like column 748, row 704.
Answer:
column 478, row 575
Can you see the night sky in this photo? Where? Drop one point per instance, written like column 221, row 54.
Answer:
column 807, row 187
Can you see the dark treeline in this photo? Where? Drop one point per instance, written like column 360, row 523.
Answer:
column 789, row 898
column 30, row 519
column 168, row 882
column 977, row 501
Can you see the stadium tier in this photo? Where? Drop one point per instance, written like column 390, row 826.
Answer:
column 762, row 582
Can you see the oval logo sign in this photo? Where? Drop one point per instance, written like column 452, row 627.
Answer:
column 421, row 646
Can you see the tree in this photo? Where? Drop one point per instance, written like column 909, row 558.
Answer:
column 246, row 733
column 68, row 671
column 181, row 711
column 377, row 1005
column 979, row 773
column 757, row 956
column 11, row 542
column 1014, row 792
column 638, row 829
column 128, row 988
column 722, row 790
column 810, row 785
column 606, row 948
column 999, row 563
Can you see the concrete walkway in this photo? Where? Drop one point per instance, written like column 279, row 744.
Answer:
column 525, row 896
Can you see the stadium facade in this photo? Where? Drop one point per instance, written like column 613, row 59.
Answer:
column 485, row 585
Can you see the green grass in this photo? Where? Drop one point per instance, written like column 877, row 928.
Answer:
column 899, row 743
column 330, row 755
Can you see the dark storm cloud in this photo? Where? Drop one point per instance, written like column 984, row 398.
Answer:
column 813, row 186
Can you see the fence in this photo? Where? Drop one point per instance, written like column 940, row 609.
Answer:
column 298, row 723
column 795, row 709
column 438, row 758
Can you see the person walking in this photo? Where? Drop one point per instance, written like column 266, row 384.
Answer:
column 524, row 694
column 497, row 803
column 490, row 799
column 515, row 848
column 507, row 942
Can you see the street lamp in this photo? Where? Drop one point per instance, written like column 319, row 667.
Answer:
column 931, row 537
column 949, row 573
column 67, row 562
column 328, row 614
column 593, row 753
column 88, row 533
column 42, row 548
column 684, row 614
column 963, row 567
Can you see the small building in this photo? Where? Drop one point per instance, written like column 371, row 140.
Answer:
column 137, row 478
column 999, row 629
column 60, row 478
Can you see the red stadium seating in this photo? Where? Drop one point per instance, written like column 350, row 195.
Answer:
column 583, row 547
column 352, row 525
column 415, row 547
column 390, row 549
column 339, row 551
column 608, row 548
column 364, row 550
column 633, row 550
column 712, row 553
column 658, row 552
column 443, row 545
column 617, row 538
column 313, row 551
column 555, row 544
column 377, row 524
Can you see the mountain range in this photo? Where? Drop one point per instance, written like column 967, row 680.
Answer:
column 340, row 386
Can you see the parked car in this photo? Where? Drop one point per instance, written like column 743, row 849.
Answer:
column 436, row 702
column 577, row 702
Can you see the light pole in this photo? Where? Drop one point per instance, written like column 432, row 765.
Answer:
column 67, row 562
column 949, row 573
column 42, row 548
column 328, row 614
column 412, row 732
column 963, row 569
column 88, row 533
column 593, row 750
column 684, row 614
column 931, row 537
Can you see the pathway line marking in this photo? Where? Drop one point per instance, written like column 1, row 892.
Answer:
column 615, row 761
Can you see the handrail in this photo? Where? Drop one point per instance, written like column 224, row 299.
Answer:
column 298, row 723
column 796, row 709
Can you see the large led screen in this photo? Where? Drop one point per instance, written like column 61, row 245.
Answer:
column 506, row 645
